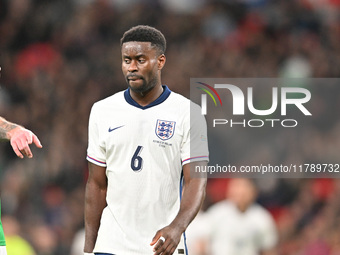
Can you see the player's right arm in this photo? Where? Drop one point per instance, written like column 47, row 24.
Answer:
column 95, row 202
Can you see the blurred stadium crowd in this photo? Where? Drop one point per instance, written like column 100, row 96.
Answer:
column 59, row 57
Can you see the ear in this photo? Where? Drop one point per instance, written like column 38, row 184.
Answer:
column 161, row 61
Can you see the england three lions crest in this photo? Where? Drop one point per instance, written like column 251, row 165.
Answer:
column 165, row 129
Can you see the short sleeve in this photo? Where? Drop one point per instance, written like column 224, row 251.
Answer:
column 95, row 152
column 194, row 146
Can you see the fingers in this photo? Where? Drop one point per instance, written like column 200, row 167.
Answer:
column 166, row 247
column 159, row 247
column 16, row 150
column 26, row 151
column 21, row 147
column 158, row 241
column 156, row 238
column 21, row 140
column 163, row 246
column 36, row 141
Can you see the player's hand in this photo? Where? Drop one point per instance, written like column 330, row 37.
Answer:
column 172, row 237
column 20, row 139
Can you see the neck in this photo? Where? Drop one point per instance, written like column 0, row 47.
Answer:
column 146, row 98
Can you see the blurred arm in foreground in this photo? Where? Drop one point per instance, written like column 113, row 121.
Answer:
column 19, row 137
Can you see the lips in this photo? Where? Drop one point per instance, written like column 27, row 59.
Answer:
column 133, row 77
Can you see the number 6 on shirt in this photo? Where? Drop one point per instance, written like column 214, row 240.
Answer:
column 137, row 161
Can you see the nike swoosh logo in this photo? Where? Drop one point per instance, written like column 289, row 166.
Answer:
column 111, row 129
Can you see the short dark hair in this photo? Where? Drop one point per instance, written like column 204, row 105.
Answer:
column 144, row 33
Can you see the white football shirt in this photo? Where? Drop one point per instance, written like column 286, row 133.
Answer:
column 143, row 150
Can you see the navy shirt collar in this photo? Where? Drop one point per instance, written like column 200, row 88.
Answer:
column 165, row 94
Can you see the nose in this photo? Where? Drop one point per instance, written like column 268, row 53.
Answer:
column 132, row 66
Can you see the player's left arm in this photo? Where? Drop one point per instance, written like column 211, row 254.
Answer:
column 192, row 199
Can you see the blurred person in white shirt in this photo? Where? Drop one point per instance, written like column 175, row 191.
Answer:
column 238, row 225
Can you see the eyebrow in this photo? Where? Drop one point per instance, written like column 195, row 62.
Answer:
column 136, row 56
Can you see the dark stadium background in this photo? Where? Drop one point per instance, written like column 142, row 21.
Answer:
column 59, row 57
